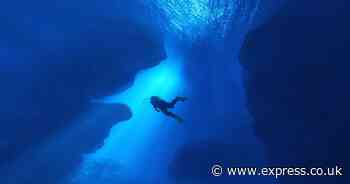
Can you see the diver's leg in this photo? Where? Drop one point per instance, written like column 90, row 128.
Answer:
column 178, row 98
column 170, row 114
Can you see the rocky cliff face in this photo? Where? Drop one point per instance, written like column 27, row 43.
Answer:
column 54, row 60
column 296, row 79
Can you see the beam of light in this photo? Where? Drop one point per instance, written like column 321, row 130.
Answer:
column 133, row 142
column 195, row 18
column 145, row 142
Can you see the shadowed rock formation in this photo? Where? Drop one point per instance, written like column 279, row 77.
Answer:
column 296, row 76
column 56, row 157
column 56, row 57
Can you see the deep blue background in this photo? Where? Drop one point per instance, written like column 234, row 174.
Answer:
column 273, row 91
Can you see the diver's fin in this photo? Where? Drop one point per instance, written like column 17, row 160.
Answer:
column 181, row 98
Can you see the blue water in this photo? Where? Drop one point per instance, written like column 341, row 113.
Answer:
column 140, row 149
column 143, row 145
column 193, row 19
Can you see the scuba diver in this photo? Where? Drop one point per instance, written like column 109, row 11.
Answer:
column 163, row 106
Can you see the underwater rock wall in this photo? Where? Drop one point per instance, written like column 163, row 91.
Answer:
column 57, row 58
column 296, row 80
column 61, row 152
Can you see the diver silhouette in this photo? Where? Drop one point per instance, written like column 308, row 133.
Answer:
column 163, row 106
